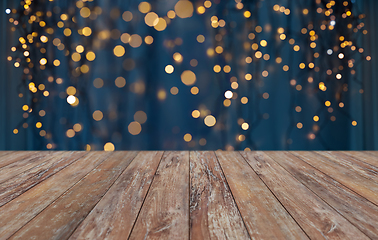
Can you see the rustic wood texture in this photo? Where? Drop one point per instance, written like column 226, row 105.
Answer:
column 31, row 161
column 16, row 213
column 263, row 215
column 165, row 211
column 3, row 153
column 189, row 195
column 60, row 219
column 213, row 212
column 315, row 217
column 14, row 157
column 115, row 214
column 367, row 157
column 342, row 173
column 363, row 214
column 19, row 184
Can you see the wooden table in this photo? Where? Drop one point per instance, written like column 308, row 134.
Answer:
column 188, row 195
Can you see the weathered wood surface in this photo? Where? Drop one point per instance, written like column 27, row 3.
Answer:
column 342, row 173
column 367, row 157
column 19, row 184
column 25, row 164
column 315, row 217
column 213, row 212
column 11, row 157
column 263, row 215
column 16, row 213
column 165, row 211
column 115, row 214
column 363, row 214
column 3, row 153
column 61, row 218
column 189, row 195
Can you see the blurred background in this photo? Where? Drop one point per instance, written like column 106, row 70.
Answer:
column 180, row 74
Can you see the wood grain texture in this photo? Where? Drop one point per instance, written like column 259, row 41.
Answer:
column 25, row 164
column 213, row 212
column 365, row 156
column 19, row 184
column 3, row 153
column 189, row 195
column 60, row 219
column 373, row 153
column 342, row 174
column 165, row 211
column 360, row 212
column 315, row 217
column 14, row 157
column 263, row 215
column 366, row 170
column 21, row 210
column 114, row 216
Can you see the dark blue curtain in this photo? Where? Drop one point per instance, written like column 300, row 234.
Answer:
column 147, row 113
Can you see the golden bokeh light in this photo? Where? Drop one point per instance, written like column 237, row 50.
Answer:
column 194, row 90
column 184, row 9
column 162, row 94
column 109, row 147
column 210, row 120
column 245, row 126
column 134, row 128
column 98, row 83
column 144, row 7
column 77, row 127
column 71, row 90
column 91, row 56
column 161, row 25
column 97, row 115
column 70, row 133
column 169, row 69
column 135, row 40
column 149, row 40
column 87, row 31
column 85, row 12
column 140, row 117
column 217, row 68
column 196, row 114
column 127, row 16
column 174, row 90
column 119, row 51
column 188, row 77
column 120, row 82
column 187, row 137
column 177, row 57
column 151, row 19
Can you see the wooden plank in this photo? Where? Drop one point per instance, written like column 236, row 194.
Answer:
column 20, row 166
column 363, row 169
column 3, row 153
column 263, row 215
column 60, row 219
column 316, row 218
column 360, row 212
column 22, row 209
column 114, row 216
column 364, row 156
column 165, row 211
column 19, row 184
column 213, row 212
column 373, row 153
column 342, row 174
column 15, row 156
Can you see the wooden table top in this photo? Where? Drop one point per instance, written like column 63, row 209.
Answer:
column 188, row 195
